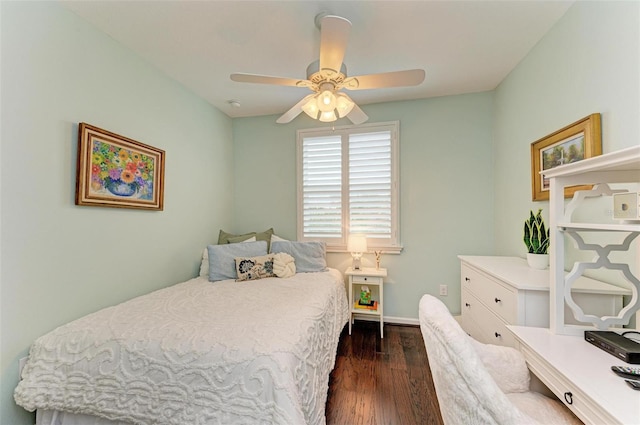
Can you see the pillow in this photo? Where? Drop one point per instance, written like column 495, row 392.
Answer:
column 309, row 256
column 242, row 238
column 254, row 267
column 222, row 264
column 223, row 237
column 204, row 264
column 284, row 265
column 276, row 238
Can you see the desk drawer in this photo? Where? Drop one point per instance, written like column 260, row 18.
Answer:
column 498, row 298
column 568, row 393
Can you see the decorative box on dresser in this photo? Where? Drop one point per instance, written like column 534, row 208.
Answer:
column 501, row 291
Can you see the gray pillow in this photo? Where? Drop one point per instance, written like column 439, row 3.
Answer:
column 309, row 256
column 222, row 263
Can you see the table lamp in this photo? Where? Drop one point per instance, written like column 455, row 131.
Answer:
column 357, row 245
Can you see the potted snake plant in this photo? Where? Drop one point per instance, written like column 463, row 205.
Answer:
column 536, row 239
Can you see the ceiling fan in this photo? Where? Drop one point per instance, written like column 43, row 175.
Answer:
column 328, row 75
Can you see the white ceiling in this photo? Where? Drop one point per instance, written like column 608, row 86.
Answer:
column 464, row 46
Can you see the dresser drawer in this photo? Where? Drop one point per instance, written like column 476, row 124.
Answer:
column 472, row 309
column 482, row 324
column 495, row 331
column 498, row 298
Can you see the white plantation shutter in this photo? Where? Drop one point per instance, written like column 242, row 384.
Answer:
column 322, row 187
column 370, row 184
column 347, row 184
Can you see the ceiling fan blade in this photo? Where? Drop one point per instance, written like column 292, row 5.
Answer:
column 357, row 116
column 266, row 79
column 411, row 77
column 334, row 35
column 295, row 111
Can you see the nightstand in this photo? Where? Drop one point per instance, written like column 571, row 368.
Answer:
column 374, row 280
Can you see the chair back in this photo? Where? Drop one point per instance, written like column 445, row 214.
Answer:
column 466, row 392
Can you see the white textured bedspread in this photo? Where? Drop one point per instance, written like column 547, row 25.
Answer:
column 255, row 352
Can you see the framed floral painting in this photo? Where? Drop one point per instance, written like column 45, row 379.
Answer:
column 575, row 142
column 118, row 172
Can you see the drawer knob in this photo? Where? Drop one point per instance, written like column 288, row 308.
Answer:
column 497, row 300
column 467, row 279
column 497, row 335
column 467, row 304
column 568, row 397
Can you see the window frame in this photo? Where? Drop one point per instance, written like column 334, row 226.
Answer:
column 393, row 245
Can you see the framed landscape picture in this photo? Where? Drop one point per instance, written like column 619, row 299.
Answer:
column 573, row 143
column 118, row 172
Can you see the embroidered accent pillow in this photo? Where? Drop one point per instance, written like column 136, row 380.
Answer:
column 252, row 268
column 222, row 263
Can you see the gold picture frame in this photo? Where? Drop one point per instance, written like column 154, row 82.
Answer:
column 575, row 142
column 118, row 172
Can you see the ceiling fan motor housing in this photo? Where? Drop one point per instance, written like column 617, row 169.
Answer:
column 318, row 76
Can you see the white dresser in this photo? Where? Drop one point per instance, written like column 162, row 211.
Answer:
column 501, row 291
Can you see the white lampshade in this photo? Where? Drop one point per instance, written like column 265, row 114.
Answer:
column 357, row 244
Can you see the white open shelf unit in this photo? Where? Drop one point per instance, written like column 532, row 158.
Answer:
column 622, row 166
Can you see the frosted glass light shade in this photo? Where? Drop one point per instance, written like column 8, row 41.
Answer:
column 328, row 106
column 311, row 108
column 344, row 104
column 326, row 101
column 329, row 116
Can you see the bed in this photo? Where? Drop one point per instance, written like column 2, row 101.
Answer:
column 198, row 352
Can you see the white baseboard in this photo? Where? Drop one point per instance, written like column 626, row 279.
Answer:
column 395, row 320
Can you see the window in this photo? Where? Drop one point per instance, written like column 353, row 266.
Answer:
column 348, row 184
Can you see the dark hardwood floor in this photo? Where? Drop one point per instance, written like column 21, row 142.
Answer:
column 382, row 381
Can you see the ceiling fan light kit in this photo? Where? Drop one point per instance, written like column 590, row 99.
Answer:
column 328, row 75
column 328, row 105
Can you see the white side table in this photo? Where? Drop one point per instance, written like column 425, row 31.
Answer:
column 374, row 280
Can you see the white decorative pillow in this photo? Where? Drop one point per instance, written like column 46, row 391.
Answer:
column 284, row 265
column 252, row 268
column 276, row 238
column 204, row 265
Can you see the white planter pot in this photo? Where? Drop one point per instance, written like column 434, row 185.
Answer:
column 538, row 261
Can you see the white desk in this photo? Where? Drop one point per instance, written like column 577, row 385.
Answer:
column 569, row 364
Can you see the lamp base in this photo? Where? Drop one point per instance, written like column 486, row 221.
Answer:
column 356, row 264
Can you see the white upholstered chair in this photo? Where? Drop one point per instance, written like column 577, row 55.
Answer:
column 478, row 383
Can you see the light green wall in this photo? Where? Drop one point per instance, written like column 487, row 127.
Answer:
column 465, row 179
column 588, row 62
column 60, row 261
column 446, row 202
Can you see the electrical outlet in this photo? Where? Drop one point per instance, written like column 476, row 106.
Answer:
column 444, row 290
column 21, row 363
